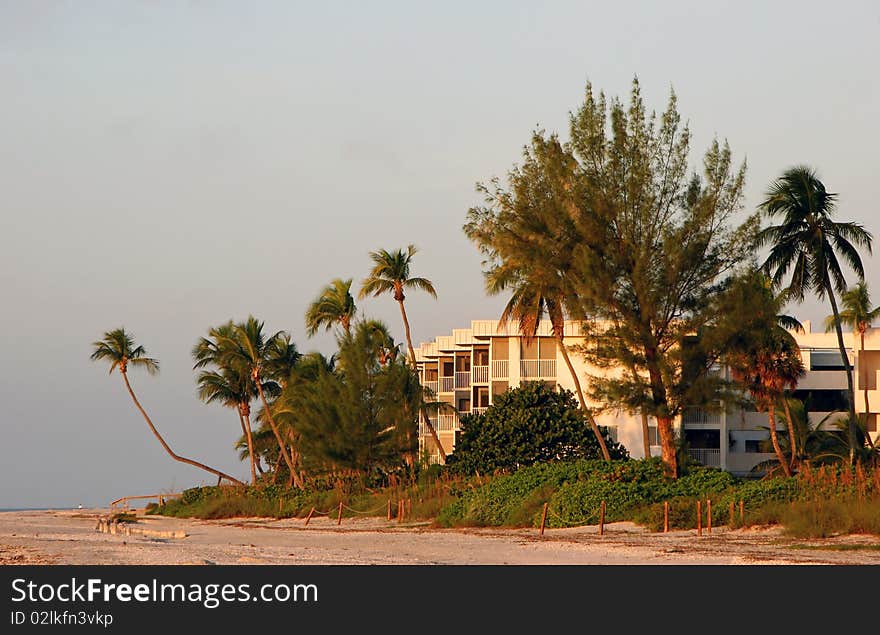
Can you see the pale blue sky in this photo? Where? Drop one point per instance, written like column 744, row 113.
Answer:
column 167, row 166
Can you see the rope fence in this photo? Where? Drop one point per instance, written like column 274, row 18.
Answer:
column 598, row 517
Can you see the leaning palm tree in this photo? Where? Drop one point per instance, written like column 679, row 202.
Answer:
column 859, row 316
column 249, row 350
column 334, row 305
column 390, row 273
column 809, row 243
column 118, row 348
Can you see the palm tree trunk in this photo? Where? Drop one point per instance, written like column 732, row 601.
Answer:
column 771, row 415
column 412, row 359
column 587, row 412
column 850, row 395
column 172, row 454
column 646, row 442
column 792, row 440
column 277, row 434
column 667, row 445
column 246, row 428
column 865, row 384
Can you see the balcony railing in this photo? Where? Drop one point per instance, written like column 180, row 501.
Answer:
column 446, row 423
column 480, row 374
column 462, row 379
column 710, row 457
column 700, row 416
column 479, row 410
column 447, row 384
column 433, row 386
column 500, row 369
column 537, row 368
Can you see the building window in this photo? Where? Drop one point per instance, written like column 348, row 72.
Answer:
column 822, row 400
column 827, row 360
column 653, row 435
column 753, row 446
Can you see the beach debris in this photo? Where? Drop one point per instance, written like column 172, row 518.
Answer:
column 107, row 525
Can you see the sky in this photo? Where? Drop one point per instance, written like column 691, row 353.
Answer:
column 167, row 166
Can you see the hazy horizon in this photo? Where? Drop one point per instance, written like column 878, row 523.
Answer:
column 168, row 168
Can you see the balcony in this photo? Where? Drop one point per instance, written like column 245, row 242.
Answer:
column 537, row 368
column 446, row 423
column 447, row 384
column 479, row 374
column 710, row 457
column 698, row 416
column 500, row 369
column 433, row 386
column 479, row 410
column 462, row 379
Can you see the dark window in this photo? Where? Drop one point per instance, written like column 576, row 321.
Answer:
column 753, row 446
column 826, row 360
column 822, row 400
column 703, row 439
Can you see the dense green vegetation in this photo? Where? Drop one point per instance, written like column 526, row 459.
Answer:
column 816, row 503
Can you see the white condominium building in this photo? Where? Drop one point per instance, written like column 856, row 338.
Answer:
column 468, row 368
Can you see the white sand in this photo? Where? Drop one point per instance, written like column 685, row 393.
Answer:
column 69, row 537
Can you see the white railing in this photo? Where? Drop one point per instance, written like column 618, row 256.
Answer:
column 462, row 379
column 447, row 384
column 710, row 457
column 446, row 423
column 700, row 416
column 433, row 386
column 480, row 374
column 477, row 410
column 543, row 368
column 500, row 369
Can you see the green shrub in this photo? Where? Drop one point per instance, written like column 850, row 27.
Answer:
column 525, row 426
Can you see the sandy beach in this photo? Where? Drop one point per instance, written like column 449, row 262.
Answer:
column 70, row 537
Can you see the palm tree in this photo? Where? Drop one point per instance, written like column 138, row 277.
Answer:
column 251, row 351
column 390, row 273
column 334, row 305
column 808, row 242
column 859, row 316
column 118, row 348
column 766, row 367
column 232, row 390
column 228, row 385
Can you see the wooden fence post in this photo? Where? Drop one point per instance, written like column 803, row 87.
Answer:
column 309, row 517
column 709, row 515
column 742, row 514
column 339, row 517
column 544, row 518
column 602, row 518
column 389, row 510
column 699, row 518
column 665, row 517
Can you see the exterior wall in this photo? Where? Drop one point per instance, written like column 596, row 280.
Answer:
column 511, row 362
